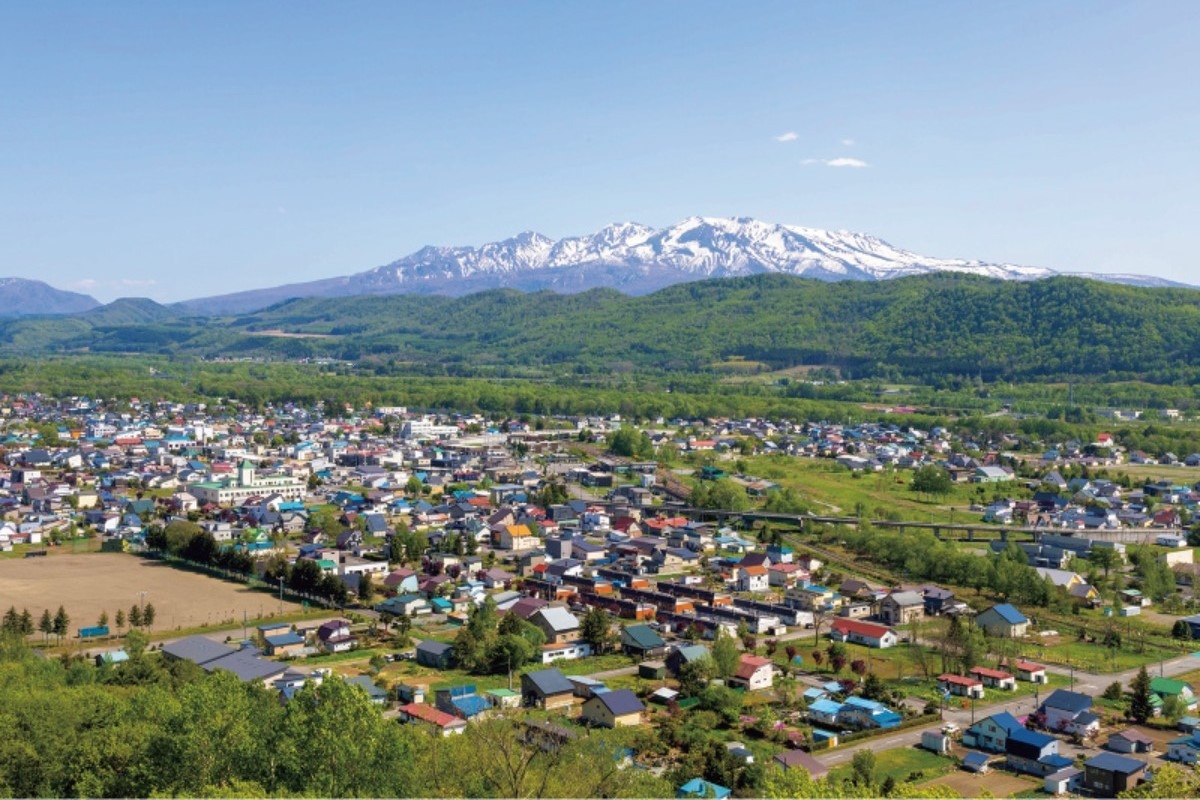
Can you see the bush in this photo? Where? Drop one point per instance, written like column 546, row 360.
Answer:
column 1114, row 691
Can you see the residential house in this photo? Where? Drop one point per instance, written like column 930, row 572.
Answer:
column 753, row 673
column 461, row 701
column 685, row 654
column 335, row 637
column 995, row 678
column 1130, row 740
column 865, row 633
column 901, row 608
column 1108, row 774
column 613, row 709
column 859, row 712
column 378, row 696
column 1169, row 687
column 824, row 712
column 565, row 651
column 949, row 683
column 753, row 579
column 518, row 537
column 1069, row 712
column 284, row 644
column 559, row 624
column 547, row 689
column 798, row 759
column 698, row 787
column 1185, row 749
column 1003, row 620
column 402, row 581
column 991, row 733
column 1073, row 582
column 435, row 654
column 439, row 721
column 642, row 641
column 937, row 600
column 1033, row 753
column 1031, row 672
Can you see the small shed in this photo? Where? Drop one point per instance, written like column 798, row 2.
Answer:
column 935, row 741
column 652, row 670
column 974, row 761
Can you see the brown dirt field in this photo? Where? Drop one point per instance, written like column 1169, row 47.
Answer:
column 87, row 584
column 1000, row 784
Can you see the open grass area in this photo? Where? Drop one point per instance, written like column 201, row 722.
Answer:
column 1093, row 657
column 901, row 762
column 76, row 546
column 881, row 495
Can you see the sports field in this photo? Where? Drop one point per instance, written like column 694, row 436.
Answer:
column 87, row 584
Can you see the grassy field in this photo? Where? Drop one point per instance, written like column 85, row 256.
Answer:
column 86, row 585
column 901, row 762
column 833, row 489
column 1095, row 657
column 70, row 547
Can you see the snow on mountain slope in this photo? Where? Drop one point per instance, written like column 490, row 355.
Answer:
column 637, row 259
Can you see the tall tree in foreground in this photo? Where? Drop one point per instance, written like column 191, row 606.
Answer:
column 1140, row 707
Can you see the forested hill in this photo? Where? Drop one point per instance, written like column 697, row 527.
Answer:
column 915, row 327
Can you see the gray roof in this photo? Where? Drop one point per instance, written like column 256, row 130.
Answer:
column 248, row 668
column 907, row 598
column 549, row 681
column 558, row 618
column 197, row 649
column 368, row 686
column 434, row 647
column 621, row 701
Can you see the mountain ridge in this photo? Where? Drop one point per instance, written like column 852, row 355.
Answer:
column 638, row 259
column 23, row 297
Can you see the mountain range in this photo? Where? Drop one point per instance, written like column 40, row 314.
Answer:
column 631, row 258
column 637, row 259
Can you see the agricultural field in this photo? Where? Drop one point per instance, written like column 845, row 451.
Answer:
column 86, row 585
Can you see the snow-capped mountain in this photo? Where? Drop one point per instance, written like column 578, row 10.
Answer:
column 637, row 259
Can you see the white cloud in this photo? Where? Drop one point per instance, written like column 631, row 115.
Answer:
column 836, row 162
column 138, row 282
column 847, row 143
column 85, row 283
column 790, row 136
column 857, row 163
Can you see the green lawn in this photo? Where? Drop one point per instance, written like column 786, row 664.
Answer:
column 901, row 762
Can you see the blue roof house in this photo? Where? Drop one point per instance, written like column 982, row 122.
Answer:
column 698, row 787
column 1003, row 620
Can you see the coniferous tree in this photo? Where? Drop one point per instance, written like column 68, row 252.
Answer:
column 62, row 623
column 46, row 624
column 1140, row 707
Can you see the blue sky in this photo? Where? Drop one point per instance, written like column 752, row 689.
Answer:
column 177, row 150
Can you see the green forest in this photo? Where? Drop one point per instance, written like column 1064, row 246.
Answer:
column 921, row 328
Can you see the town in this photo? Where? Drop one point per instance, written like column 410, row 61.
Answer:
column 868, row 604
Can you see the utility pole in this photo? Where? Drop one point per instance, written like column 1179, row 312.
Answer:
column 280, row 594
